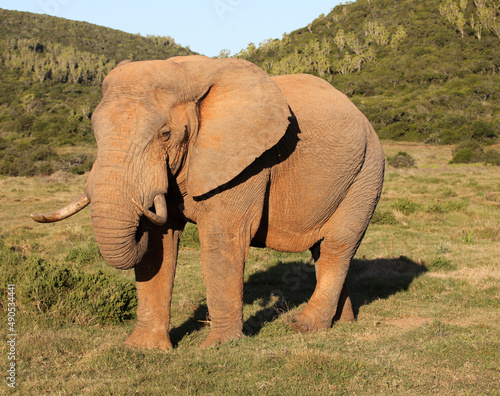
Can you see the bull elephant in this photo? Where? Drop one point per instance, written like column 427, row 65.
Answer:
column 282, row 162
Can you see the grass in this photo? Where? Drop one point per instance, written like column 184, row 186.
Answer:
column 424, row 285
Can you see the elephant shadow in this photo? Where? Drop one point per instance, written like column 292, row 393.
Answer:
column 287, row 285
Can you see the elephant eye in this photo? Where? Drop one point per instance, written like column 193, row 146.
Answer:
column 165, row 134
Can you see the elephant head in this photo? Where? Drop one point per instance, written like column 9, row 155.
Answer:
column 207, row 119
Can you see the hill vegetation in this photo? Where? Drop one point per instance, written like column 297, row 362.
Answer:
column 421, row 71
column 52, row 69
column 425, row 71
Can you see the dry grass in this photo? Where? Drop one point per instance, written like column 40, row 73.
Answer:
column 425, row 289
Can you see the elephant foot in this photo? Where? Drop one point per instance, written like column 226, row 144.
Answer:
column 149, row 339
column 303, row 323
column 219, row 338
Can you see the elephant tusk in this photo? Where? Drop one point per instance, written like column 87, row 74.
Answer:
column 160, row 217
column 74, row 207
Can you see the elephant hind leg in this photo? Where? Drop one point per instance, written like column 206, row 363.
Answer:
column 342, row 235
column 330, row 296
column 344, row 312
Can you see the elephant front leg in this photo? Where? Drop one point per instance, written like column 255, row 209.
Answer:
column 223, row 259
column 154, row 282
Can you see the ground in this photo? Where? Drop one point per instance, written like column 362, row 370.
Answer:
column 424, row 285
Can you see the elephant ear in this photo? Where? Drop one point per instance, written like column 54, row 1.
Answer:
column 242, row 113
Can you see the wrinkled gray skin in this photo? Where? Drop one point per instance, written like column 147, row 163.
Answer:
column 285, row 162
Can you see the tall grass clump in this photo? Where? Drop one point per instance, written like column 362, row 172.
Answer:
column 448, row 206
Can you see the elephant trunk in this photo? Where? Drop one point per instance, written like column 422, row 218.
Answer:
column 119, row 235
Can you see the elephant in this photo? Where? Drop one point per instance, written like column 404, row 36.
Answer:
column 285, row 162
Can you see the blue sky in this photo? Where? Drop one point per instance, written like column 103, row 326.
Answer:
column 206, row 26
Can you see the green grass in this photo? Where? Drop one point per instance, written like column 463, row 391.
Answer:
column 424, row 285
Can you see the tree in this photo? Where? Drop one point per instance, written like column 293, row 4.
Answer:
column 399, row 36
column 488, row 16
column 452, row 12
column 376, row 32
column 340, row 39
column 354, row 44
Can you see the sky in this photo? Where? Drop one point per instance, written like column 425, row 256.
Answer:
column 206, row 26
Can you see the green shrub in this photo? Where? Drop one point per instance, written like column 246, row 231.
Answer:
column 24, row 123
column 24, row 159
column 102, row 299
column 79, row 164
column 484, row 131
column 406, row 206
column 470, row 151
column 84, row 255
column 190, row 237
column 492, row 157
column 402, row 160
column 384, row 217
column 467, row 152
column 465, row 156
column 64, row 292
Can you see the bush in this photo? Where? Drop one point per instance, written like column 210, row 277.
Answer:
column 465, row 156
column 190, row 237
column 470, row 144
column 402, row 160
column 24, row 123
column 33, row 159
column 483, row 131
column 64, row 292
column 24, row 159
column 406, row 206
column 85, row 255
column 384, row 217
column 492, row 157
column 79, row 164
column 470, row 152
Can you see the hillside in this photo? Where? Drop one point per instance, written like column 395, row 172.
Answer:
column 86, row 37
column 426, row 71
column 52, row 69
column 420, row 70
